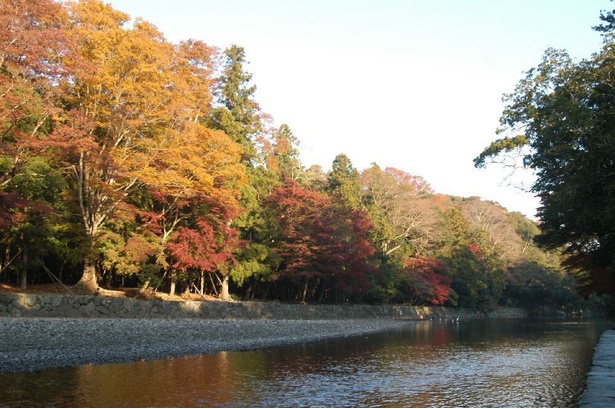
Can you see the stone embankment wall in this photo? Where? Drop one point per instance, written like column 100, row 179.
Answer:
column 55, row 305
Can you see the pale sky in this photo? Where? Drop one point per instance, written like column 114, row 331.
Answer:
column 415, row 85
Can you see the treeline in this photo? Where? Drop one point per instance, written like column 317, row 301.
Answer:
column 126, row 160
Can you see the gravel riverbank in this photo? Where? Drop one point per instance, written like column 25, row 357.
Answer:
column 30, row 344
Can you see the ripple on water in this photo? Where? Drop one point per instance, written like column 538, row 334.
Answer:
column 477, row 364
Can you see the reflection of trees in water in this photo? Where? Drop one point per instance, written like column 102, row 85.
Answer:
column 503, row 362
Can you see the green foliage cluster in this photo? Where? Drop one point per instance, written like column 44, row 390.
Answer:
column 122, row 166
column 560, row 120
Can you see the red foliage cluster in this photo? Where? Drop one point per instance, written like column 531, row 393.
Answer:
column 429, row 271
column 318, row 238
column 198, row 248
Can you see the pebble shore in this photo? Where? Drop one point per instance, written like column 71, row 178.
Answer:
column 32, row 344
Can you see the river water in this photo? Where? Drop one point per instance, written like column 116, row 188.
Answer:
column 475, row 363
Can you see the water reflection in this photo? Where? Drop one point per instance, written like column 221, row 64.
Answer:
column 504, row 363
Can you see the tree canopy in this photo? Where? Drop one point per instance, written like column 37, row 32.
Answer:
column 130, row 161
column 560, row 119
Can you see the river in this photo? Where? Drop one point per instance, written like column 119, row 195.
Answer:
column 475, row 363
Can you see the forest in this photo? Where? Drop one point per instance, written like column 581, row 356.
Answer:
column 130, row 161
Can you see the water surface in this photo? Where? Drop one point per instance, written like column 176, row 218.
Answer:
column 477, row 363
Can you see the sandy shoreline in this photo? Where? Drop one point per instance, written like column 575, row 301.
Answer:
column 31, row 344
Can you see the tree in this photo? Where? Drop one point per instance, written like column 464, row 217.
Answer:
column 33, row 42
column 237, row 114
column 561, row 116
column 493, row 231
column 201, row 171
column 394, row 200
column 423, row 280
column 532, row 285
column 344, row 181
column 283, row 156
column 33, row 45
column 475, row 283
column 116, row 118
column 132, row 123
column 322, row 244
column 32, row 39
column 41, row 187
column 203, row 248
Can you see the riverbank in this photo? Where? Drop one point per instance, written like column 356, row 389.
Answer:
column 32, row 344
column 57, row 330
column 599, row 391
column 84, row 306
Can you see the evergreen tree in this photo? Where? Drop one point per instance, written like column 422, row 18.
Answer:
column 344, row 180
column 237, row 114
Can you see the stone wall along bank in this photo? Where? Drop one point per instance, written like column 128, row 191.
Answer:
column 56, row 305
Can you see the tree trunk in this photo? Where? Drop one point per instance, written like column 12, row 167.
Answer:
column 213, row 285
column 23, row 272
column 305, row 288
column 224, row 293
column 322, row 289
column 107, row 278
column 202, row 283
column 173, row 283
column 88, row 281
column 265, row 294
column 61, row 272
column 250, row 291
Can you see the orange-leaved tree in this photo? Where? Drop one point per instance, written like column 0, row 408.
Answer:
column 200, row 174
column 133, row 117
column 32, row 43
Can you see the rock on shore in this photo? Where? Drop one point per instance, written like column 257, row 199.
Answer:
column 30, row 344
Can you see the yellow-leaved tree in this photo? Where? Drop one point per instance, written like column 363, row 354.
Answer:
column 134, row 112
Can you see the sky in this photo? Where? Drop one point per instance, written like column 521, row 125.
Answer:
column 415, row 85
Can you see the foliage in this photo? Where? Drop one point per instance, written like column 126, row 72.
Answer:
column 320, row 242
column 564, row 110
column 396, row 203
column 532, row 285
column 423, row 281
column 237, row 114
column 343, row 181
column 127, row 160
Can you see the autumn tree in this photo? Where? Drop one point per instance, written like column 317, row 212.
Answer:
column 393, row 199
column 33, row 43
column 323, row 246
column 423, row 280
column 203, row 248
column 115, row 112
column 475, row 283
column 492, row 231
column 282, row 156
column 201, row 172
column 133, row 120
column 238, row 114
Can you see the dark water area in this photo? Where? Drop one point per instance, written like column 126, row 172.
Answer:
column 474, row 363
